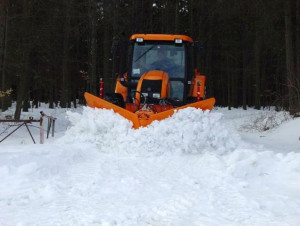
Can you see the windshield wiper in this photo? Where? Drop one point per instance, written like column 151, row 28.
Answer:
column 144, row 53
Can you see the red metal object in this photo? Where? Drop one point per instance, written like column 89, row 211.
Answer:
column 198, row 91
column 101, row 86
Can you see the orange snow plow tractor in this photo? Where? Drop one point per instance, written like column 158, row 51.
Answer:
column 160, row 79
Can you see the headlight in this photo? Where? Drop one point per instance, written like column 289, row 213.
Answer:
column 178, row 41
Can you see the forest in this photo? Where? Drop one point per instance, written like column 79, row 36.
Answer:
column 53, row 51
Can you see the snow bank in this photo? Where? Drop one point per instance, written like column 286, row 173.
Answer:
column 189, row 169
column 187, row 131
column 265, row 120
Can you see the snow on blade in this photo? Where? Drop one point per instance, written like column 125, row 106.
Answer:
column 187, row 131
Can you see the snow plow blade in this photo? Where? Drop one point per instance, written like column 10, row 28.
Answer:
column 207, row 104
column 136, row 119
column 96, row 102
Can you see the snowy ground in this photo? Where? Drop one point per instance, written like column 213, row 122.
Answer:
column 194, row 169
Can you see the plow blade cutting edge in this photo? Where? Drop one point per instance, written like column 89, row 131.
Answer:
column 96, row 102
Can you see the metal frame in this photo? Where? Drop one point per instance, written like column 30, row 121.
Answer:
column 51, row 124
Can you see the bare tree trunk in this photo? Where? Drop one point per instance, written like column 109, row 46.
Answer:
column 245, row 65
column 235, row 83
column 298, row 41
column 93, row 47
column 149, row 16
column 5, row 101
column 191, row 17
column 245, row 81
column 176, row 30
column 22, row 94
column 229, row 79
column 109, row 79
column 65, row 93
column 290, row 66
column 51, row 68
column 23, row 87
column 115, row 47
column 257, row 53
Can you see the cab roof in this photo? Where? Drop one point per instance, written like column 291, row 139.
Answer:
column 161, row 37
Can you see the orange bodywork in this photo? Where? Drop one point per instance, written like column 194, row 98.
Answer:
column 153, row 76
column 144, row 117
column 120, row 88
column 161, row 37
column 198, row 80
column 142, row 114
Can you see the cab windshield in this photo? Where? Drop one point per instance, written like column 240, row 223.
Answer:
column 166, row 57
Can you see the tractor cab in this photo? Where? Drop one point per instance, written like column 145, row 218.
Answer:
column 170, row 54
column 160, row 78
column 150, row 55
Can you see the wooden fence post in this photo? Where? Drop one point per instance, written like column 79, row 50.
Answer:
column 41, row 131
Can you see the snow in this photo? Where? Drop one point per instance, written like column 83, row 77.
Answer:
column 195, row 168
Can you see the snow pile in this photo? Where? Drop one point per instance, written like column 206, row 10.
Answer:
column 186, row 170
column 250, row 165
column 187, row 131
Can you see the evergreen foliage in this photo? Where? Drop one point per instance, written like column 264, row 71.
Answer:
column 54, row 50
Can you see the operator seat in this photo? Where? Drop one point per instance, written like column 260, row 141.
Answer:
column 154, row 85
